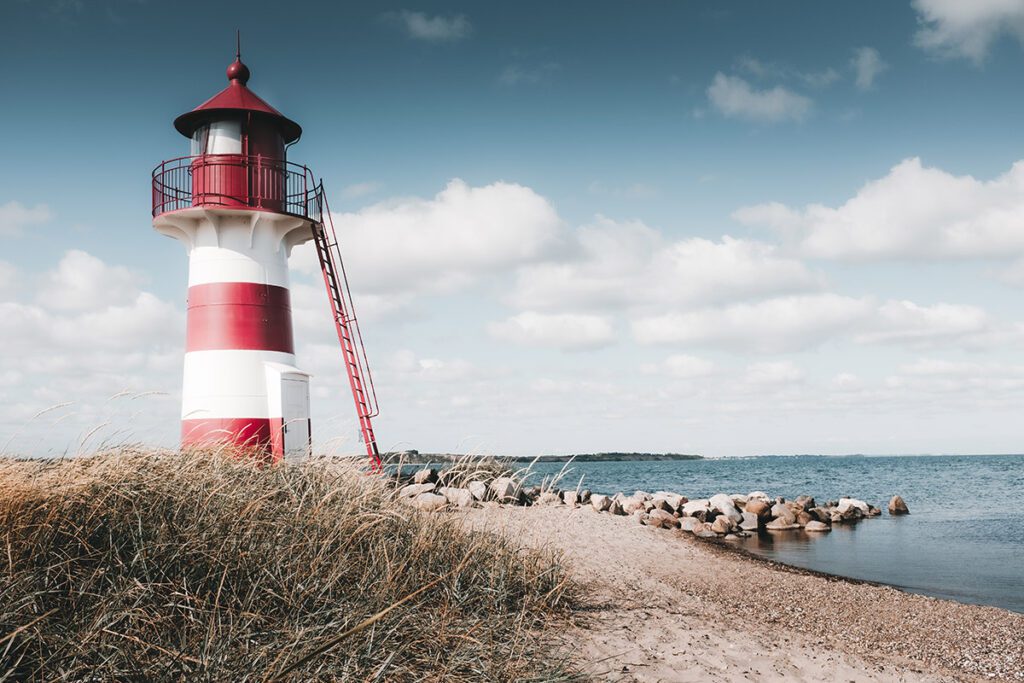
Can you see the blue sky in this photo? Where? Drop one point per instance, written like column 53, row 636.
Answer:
column 724, row 228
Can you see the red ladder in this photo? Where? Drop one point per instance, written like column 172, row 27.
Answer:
column 345, row 322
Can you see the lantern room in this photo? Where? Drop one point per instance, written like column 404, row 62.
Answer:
column 238, row 154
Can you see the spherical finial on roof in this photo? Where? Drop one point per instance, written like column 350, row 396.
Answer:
column 238, row 72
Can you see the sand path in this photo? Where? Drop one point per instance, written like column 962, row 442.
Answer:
column 665, row 606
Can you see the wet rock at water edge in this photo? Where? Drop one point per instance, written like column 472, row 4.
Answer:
column 724, row 505
column 750, row 522
column 723, row 525
column 898, row 507
column 760, row 508
column 780, row 524
column 816, row 526
column 780, row 511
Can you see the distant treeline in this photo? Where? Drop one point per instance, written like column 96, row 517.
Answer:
column 414, row 457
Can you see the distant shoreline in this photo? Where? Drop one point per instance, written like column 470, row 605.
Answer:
column 417, row 458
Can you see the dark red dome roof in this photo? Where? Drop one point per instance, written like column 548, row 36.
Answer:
column 235, row 98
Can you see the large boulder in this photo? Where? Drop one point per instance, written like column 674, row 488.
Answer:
column 758, row 495
column 688, row 523
column 750, row 522
column 506, row 490
column 674, row 500
column 850, row 514
column 430, row 502
column 634, row 503
column 600, row 502
column 697, row 508
column 806, row 502
column 821, row 514
column 723, row 525
column 662, row 520
column 413, row 490
column 802, row 518
column 428, row 475
column 661, row 504
column 457, row 496
column 780, row 524
column 898, row 507
column 478, row 489
column 847, row 503
column 570, row 498
column 782, row 511
column 584, row 496
column 726, row 507
column 759, row 507
column 816, row 526
column 616, row 508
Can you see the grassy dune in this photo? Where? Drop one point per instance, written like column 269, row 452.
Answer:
column 136, row 565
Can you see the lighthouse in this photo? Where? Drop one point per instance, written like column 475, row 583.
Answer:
column 239, row 208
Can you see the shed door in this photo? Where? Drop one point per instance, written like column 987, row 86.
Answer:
column 295, row 409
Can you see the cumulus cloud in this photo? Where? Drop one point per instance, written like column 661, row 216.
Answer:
column 630, row 265
column 734, row 97
column 403, row 248
column 90, row 334
column 567, row 331
column 867, row 64
column 680, row 366
column 913, row 212
column 774, row 326
column 432, row 29
column 15, row 217
column 959, row 28
column 797, row 323
column 82, row 282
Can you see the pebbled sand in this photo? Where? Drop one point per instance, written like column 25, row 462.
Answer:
column 666, row 606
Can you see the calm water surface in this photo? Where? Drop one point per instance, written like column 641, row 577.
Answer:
column 963, row 539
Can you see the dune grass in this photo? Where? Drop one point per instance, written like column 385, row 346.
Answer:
column 152, row 565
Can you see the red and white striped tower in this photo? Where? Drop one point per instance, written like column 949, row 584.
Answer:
column 239, row 208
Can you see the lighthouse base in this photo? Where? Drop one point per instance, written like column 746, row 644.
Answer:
column 271, row 418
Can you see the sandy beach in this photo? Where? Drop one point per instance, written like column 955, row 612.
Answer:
column 666, row 606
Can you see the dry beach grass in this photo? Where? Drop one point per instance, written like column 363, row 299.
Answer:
column 143, row 565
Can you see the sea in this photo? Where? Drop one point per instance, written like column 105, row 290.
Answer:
column 963, row 539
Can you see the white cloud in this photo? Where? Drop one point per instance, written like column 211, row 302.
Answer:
column 680, row 366
column 630, row 265
column 736, row 98
column 79, row 345
column 765, row 70
column 567, row 331
column 516, row 74
column 774, row 373
column 967, row 28
column 905, row 321
column 797, row 323
column 773, row 326
column 432, row 29
column 82, row 282
column 867, row 64
column 402, row 248
column 15, row 217
column 913, row 212
column 357, row 190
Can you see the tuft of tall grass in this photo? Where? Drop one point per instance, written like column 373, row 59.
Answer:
column 201, row 566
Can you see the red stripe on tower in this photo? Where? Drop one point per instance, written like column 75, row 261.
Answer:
column 239, row 315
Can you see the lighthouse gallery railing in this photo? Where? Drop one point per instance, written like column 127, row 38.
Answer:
column 235, row 180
